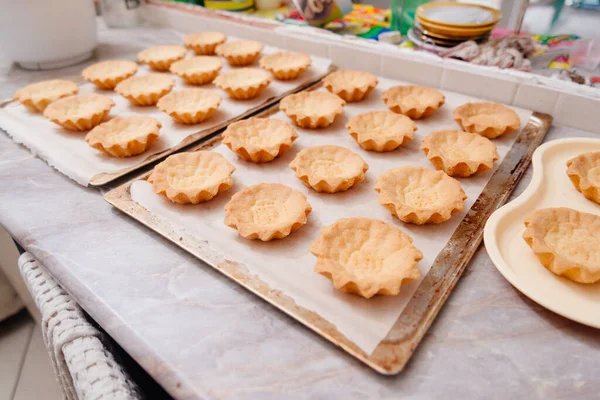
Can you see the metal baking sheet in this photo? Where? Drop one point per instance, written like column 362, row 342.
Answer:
column 103, row 178
column 393, row 352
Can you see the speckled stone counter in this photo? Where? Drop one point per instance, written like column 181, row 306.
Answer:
column 202, row 336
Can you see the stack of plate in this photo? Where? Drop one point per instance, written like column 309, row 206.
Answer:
column 448, row 24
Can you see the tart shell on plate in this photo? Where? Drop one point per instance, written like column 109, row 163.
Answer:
column 549, row 188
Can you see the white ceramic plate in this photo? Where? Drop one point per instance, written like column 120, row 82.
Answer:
column 549, row 187
column 459, row 15
column 412, row 36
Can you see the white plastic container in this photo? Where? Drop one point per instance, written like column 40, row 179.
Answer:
column 585, row 53
column 121, row 13
column 43, row 34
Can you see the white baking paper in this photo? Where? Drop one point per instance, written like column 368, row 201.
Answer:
column 287, row 265
column 68, row 152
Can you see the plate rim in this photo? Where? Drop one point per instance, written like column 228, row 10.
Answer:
column 497, row 14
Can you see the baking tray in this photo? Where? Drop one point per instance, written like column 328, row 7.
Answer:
column 104, row 178
column 393, row 352
column 550, row 187
column 107, row 177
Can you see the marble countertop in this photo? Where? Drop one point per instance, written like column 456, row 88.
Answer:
column 201, row 335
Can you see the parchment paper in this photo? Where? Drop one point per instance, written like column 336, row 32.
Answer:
column 287, row 264
column 68, row 152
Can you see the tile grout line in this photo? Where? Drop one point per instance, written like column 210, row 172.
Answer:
column 22, row 363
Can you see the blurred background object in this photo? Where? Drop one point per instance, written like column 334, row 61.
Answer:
column 41, row 34
column 439, row 25
column 121, row 13
column 320, row 12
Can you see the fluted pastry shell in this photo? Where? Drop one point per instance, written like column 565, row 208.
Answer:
column 107, row 74
column 584, row 172
column 267, row 211
column 240, row 52
column 415, row 102
column 259, row 139
column 312, row 109
column 197, row 70
column 459, row 153
column 160, row 58
column 192, row 177
column 204, row 43
column 366, row 257
column 79, row 112
column 243, row 83
column 350, row 85
column 37, row 96
column 381, row 130
column 285, row 65
column 145, row 90
column 190, row 106
column 487, row 119
column 418, row 195
column 566, row 241
column 124, row 136
column 329, row 169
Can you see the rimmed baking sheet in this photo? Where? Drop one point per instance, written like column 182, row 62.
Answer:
column 70, row 154
column 384, row 331
column 550, row 187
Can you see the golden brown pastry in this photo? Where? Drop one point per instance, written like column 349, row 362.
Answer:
column 37, row 96
column 566, row 241
column 381, row 130
column 79, row 112
column 197, row 70
column 418, row 195
column 329, row 169
column 107, row 74
column 267, row 211
column 285, row 65
column 487, row 119
column 350, row 85
column 145, row 90
column 243, row 83
column 204, row 43
column 314, row 109
column 259, row 139
column 241, row 52
column 584, row 172
column 415, row 102
column 459, row 153
column 124, row 136
column 160, row 58
column 190, row 106
column 366, row 257
column 192, row 177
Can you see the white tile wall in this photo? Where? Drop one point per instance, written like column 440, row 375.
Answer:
column 355, row 58
column 535, row 97
column 405, row 69
column 188, row 23
column 578, row 112
column 466, row 80
column 306, row 45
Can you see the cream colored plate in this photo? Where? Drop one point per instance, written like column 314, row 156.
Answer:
column 549, row 187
